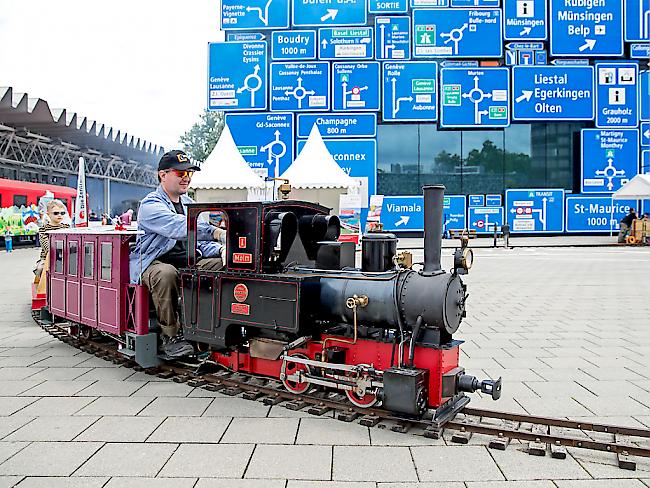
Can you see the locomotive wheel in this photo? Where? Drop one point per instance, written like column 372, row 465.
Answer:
column 85, row 332
column 361, row 399
column 289, row 367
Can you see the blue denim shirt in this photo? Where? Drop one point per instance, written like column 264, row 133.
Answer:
column 162, row 227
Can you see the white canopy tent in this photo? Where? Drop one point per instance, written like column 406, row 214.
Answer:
column 638, row 188
column 315, row 176
column 225, row 176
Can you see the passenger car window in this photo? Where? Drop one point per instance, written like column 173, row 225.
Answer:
column 58, row 256
column 89, row 259
column 72, row 258
column 107, row 260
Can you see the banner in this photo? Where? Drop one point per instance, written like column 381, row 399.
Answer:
column 80, row 210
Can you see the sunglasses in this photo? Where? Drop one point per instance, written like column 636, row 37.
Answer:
column 58, row 213
column 182, row 173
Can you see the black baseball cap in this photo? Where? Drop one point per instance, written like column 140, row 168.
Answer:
column 176, row 160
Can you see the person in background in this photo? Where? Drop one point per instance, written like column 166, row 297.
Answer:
column 56, row 213
column 9, row 241
column 127, row 217
column 161, row 248
column 626, row 223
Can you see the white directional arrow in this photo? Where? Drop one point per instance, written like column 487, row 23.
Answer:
column 525, row 95
column 525, row 31
column 647, row 134
column 589, row 44
column 331, row 14
column 324, row 43
column 404, row 219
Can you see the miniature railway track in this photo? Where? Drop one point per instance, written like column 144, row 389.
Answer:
column 542, row 433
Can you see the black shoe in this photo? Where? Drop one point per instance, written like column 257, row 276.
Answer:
column 177, row 346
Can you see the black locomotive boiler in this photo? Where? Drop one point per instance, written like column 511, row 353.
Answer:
column 291, row 304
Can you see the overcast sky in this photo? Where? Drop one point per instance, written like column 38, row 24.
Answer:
column 136, row 65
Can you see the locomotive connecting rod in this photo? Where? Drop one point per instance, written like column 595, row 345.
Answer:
column 433, row 209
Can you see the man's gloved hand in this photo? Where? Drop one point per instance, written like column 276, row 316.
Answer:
column 223, row 254
column 220, row 235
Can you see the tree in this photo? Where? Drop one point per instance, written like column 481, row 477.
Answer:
column 199, row 141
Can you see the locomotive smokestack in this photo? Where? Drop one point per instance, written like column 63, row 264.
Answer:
column 433, row 209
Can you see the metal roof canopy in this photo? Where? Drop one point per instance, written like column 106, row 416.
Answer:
column 19, row 111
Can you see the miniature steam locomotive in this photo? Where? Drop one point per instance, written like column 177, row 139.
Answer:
column 290, row 304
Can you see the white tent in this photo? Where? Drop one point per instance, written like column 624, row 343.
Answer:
column 638, row 188
column 315, row 176
column 225, row 176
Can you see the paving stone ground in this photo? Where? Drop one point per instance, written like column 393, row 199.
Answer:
column 567, row 328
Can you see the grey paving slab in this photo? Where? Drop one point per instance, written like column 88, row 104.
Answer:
column 164, row 389
column 331, row 484
column 18, row 373
column 13, row 388
column 518, row 465
column 117, row 374
column 49, row 458
column 601, row 465
column 59, row 374
column 179, row 407
column 237, row 483
column 52, row 429
column 373, row 464
column 58, row 388
column 9, row 481
column 190, row 429
column 331, row 432
column 114, row 405
column 442, row 464
column 120, row 429
column 609, row 483
column 52, row 406
column 11, row 424
column 290, row 462
column 112, row 388
column 24, row 361
column 139, row 482
column 8, row 449
column 60, row 482
column 261, row 431
column 134, row 459
column 554, row 407
column 386, row 437
column 62, row 361
column 209, row 461
column 449, row 484
column 236, row 407
column 511, row 484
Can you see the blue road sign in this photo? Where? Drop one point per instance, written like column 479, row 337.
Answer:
column 610, row 158
column 525, row 19
column 645, row 161
column 644, row 95
column 454, row 216
column 457, row 33
column 329, row 12
column 357, row 157
column 527, row 46
column 541, row 57
column 254, row 14
column 355, row 86
column 475, row 3
column 553, row 93
column 475, row 97
column 586, row 28
column 477, row 200
column 484, row 219
column 388, row 6
column 617, row 95
column 640, row 51
column 538, row 211
column 244, row 36
column 403, row 213
column 460, row 63
column 393, row 38
column 345, row 43
column 237, row 75
column 409, row 91
column 645, row 134
column 525, row 58
column 493, row 201
column 293, row 45
column 570, row 62
column 637, row 20
column 264, row 140
column 595, row 214
column 337, row 125
column 300, row 87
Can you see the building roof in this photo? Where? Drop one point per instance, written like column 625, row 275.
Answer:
column 34, row 115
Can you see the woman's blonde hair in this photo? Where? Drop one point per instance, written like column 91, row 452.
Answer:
column 51, row 205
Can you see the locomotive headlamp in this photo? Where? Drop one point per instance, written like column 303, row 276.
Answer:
column 463, row 260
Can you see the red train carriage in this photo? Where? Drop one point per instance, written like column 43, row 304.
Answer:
column 21, row 193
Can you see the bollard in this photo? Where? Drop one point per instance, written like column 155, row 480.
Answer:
column 505, row 231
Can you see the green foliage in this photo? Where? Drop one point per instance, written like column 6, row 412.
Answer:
column 199, row 141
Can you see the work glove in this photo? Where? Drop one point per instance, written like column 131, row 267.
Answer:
column 220, row 235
